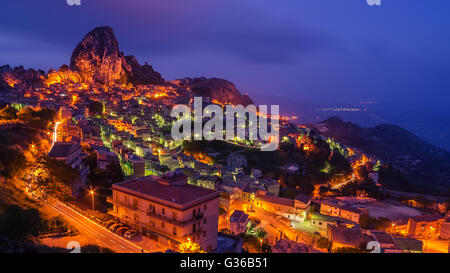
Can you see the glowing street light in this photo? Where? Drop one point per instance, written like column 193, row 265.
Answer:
column 91, row 191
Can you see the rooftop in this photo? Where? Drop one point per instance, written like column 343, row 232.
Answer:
column 277, row 200
column 157, row 189
column 238, row 216
column 63, row 149
column 303, row 198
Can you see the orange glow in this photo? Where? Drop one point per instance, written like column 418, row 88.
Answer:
column 204, row 158
column 63, row 77
column 10, row 80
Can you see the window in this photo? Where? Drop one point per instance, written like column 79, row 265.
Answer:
column 174, row 230
column 194, row 228
column 163, row 211
column 163, row 225
column 205, row 207
column 174, row 215
column 204, row 220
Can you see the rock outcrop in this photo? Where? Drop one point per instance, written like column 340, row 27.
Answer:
column 217, row 89
column 13, row 77
column 98, row 60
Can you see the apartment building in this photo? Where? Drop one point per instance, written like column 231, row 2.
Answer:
column 341, row 209
column 168, row 209
column 425, row 226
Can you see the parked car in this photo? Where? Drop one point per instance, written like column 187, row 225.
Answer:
column 114, row 227
column 121, row 231
column 109, row 223
column 130, row 234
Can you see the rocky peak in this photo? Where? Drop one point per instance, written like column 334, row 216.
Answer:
column 98, row 59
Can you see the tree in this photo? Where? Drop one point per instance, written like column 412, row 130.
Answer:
column 225, row 231
column 324, row 242
column 38, row 119
column 190, row 247
column 18, row 224
column 260, row 233
column 59, row 171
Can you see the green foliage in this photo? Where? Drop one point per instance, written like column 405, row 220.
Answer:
column 18, row 224
column 58, row 171
column 55, row 225
column 39, row 119
column 260, row 233
column 368, row 222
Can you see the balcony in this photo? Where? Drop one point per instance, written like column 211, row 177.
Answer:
column 155, row 215
column 173, row 221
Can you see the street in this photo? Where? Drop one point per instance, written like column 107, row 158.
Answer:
column 94, row 231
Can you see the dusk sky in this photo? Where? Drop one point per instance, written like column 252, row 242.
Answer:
column 303, row 50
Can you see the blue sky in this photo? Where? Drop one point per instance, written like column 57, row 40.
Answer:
column 301, row 50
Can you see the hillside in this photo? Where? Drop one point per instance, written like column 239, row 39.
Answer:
column 424, row 165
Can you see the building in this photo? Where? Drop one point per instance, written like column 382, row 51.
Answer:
column 208, row 181
column 427, row 226
column 138, row 164
column 65, row 113
column 168, row 210
column 295, row 210
column 346, row 237
column 68, row 152
column 445, row 230
column 387, row 243
column 105, row 157
column 409, row 245
column 321, row 223
column 338, row 208
column 238, row 222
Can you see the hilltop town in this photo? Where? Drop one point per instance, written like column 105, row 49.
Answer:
column 102, row 156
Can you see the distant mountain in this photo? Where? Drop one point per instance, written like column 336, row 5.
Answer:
column 426, row 166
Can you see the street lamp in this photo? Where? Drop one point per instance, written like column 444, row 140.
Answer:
column 91, row 191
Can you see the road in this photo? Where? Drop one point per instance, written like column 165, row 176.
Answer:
column 93, row 230
column 337, row 186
